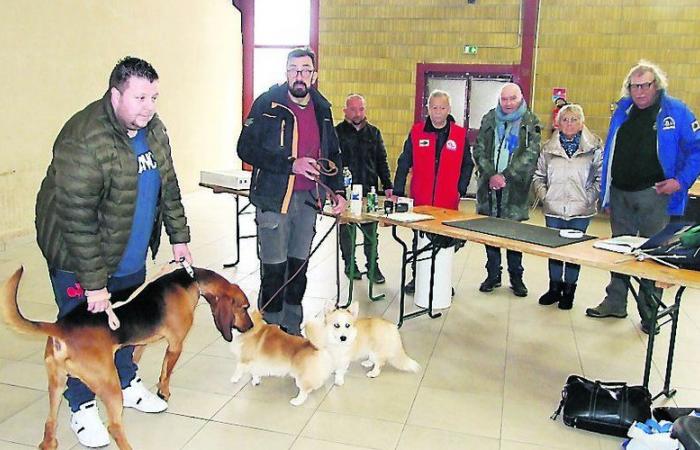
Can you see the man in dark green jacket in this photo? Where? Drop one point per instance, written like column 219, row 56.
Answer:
column 108, row 190
column 506, row 153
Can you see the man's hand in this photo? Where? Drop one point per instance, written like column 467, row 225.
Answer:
column 182, row 251
column 98, row 301
column 307, row 167
column 339, row 208
column 667, row 187
column 497, row 182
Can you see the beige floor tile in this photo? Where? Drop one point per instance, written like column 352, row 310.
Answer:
column 205, row 374
column 477, row 414
column 5, row 445
column 27, row 425
column 512, row 445
column 484, row 376
column 277, row 415
column 197, row 404
column 279, row 389
column 24, row 374
column 14, row 400
column 342, row 428
column 216, row 435
column 304, row 443
column 419, row 438
column 373, row 398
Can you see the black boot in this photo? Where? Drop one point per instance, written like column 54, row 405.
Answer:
column 293, row 316
column 272, row 278
column 567, row 296
column 356, row 274
column 490, row 283
column 553, row 295
column 517, row 286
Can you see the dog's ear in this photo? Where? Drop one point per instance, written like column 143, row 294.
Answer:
column 329, row 307
column 354, row 309
column 223, row 318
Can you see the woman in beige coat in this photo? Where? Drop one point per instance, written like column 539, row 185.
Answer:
column 567, row 181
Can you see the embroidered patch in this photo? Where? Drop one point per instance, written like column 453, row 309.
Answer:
column 695, row 126
column 423, row 143
column 669, row 123
column 451, row 145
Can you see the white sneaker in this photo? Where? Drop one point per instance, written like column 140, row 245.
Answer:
column 88, row 427
column 137, row 396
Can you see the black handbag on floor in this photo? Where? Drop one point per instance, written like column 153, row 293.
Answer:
column 603, row 407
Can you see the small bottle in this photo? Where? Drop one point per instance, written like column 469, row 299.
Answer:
column 347, row 182
column 372, row 200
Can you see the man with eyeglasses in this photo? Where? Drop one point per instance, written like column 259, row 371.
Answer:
column 289, row 129
column 651, row 158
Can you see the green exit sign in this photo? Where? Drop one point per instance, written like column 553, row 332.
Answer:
column 470, row 49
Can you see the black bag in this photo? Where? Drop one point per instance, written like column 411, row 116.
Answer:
column 603, row 407
column 678, row 244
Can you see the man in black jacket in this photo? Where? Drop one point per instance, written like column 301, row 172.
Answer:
column 288, row 129
column 365, row 155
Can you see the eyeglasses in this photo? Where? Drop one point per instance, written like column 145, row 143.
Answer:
column 570, row 120
column 641, row 86
column 293, row 72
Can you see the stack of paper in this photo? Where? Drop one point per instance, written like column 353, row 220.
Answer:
column 621, row 244
column 409, row 217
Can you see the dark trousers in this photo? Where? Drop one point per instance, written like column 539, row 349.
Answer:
column 69, row 295
column 493, row 262
column 558, row 270
column 346, row 243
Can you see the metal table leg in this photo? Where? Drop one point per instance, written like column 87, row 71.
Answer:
column 239, row 211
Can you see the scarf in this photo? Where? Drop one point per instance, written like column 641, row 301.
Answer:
column 570, row 145
column 507, row 135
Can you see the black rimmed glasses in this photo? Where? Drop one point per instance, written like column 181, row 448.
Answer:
column 641, row 86
column 293, row 72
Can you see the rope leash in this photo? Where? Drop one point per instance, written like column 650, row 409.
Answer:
column 171, row 266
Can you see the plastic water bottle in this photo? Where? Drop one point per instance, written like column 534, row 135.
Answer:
column 372, row 200
column 347, row 181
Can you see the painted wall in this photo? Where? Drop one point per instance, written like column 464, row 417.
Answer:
column 56, row 57
column 587, row 46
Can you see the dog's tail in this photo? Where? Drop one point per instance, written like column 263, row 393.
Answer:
column 14, row 318
column 404, row 362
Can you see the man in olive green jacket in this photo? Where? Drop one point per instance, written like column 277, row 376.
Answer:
column 506, row 153
column 108, row 190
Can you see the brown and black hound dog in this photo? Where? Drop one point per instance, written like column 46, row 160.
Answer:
column 82, row 344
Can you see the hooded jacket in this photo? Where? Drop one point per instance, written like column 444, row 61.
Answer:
column 269, row 141
column 569, row 187
column 518, row 173
column 86, row 202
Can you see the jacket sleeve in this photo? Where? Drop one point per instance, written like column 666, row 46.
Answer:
column 78, row 196
column 335, row 182
column 539, row 179
column 690, row 148
column 381, row 162
column 465, row 174
column 403, row 165
column 597, row 171
column 484, row 163
column 254, row 149
column 522, row 165
column 172, row 209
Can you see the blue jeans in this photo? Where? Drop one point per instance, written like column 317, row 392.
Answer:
column 493, row 262
column 69, row 295
column 558, row 270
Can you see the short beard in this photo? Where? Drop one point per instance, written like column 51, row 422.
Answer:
column 299, row 90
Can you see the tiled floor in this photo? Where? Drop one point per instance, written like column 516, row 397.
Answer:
column 493, row 364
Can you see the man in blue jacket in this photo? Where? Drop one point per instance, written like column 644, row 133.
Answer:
column 651, row 158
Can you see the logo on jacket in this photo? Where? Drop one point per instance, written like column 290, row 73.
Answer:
column 423, row 143
column 669, row 123
column 451, row 145
column 695, row 126
column 146, row 162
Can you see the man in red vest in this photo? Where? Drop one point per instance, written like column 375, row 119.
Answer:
column 438, row 156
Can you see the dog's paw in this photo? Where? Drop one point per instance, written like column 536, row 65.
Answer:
column 367, row 363
column 374, row 373
column 339, row 381
column 255, row 381
column 298, row 401
column 236, row 377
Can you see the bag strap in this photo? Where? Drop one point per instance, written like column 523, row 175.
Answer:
column 556, row 413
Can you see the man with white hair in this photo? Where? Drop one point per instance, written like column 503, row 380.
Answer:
column 506, row 153
column 438, row 156
column 651, row 158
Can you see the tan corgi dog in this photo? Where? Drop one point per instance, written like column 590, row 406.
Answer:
column 350, row 339
column 266, row 350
